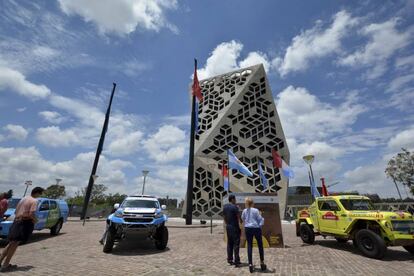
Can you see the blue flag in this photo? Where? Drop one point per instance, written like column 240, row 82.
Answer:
column 314, row 190
column 235, row 163
column 262, row 176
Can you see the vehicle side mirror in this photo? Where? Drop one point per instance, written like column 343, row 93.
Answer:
column 116, row 205
column 163, row 207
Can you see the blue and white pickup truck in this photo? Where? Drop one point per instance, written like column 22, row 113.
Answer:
column 50, row 214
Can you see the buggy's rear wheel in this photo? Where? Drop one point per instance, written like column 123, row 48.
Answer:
column 306, row 233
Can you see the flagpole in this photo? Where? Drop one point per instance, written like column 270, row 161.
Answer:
column 228, row 169
column 190, row 179
column 97, row 155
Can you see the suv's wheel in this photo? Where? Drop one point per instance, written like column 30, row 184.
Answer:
column 409, row 248
column 341, row 240
column 161, row 237
column 306, row 233
column 370, row 244
column 55, row 230
column 109, row 240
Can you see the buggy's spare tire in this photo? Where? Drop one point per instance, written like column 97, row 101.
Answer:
column 161, row 237
column 370, row 244
column 306, row 233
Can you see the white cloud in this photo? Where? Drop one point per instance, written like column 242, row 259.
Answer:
column 166, row 145
column 399, row 82
column 404, row 139
column 122, row 16
column 134, row 67
column 371, row 179
column 315, row 43
column 164, row 180
column 16, row 81
column 304, row 116
column 126, row 145
column 16, row 132
column 21, row 109
column 254, row 58
column 404, row 62
column 225, row 58
column 52, row 117
column 384, row 40
column 20, row 164
column 53, row 136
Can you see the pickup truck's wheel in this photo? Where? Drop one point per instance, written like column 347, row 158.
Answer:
column 341, row 240
column 409, row 248
column 307, row 234
column 161, row 238
column 109, row 241
column 370, row 244
column 55, row 230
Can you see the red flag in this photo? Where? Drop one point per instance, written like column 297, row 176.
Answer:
column 324, row 190
column 224, row 170
column 196, row 85
column 277, row 160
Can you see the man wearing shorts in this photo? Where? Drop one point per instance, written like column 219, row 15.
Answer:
column 22, row 227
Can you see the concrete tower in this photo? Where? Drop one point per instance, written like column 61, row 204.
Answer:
column 238, row 112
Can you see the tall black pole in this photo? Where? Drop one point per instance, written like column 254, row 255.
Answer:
column 189, row 209
column 228, row 170
column 98, row 153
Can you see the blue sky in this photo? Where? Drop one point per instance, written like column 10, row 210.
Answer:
column 341, row 73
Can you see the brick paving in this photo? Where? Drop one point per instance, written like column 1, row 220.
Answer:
column 193, row 251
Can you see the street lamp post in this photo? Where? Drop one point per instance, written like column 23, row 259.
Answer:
column 309, row 160
column 144, row 173
column 27, row 183
column 58, row 180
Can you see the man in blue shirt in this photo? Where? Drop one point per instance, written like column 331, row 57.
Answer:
column 231, row 216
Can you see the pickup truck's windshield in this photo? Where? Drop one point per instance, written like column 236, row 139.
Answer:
column 13, row 203
column 137, row 203
column 357, row 204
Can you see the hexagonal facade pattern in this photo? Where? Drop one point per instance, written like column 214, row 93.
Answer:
column 238, row 113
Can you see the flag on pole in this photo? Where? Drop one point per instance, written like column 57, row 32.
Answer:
column 262, row 176
column 196, row 85
column 314, row 190
column 287, row 171
column 324, row 189
column 235, row 163
column 225, row 175
column 277, row 160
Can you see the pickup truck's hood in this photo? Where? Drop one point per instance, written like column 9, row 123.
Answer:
column 140, row 210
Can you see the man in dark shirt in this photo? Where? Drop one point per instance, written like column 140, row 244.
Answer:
column 232, row 218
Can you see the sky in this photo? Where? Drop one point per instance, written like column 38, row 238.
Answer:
column 341, row 74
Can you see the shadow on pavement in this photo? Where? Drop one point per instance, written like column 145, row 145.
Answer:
column 136, row 247
column 35, row 237
column 21, row 268
column 390, row 255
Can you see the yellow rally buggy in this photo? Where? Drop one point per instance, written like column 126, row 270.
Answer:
column 354, row 218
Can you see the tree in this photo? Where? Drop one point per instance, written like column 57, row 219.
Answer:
column 400, row 169
column 111, row 199
column 55, row 191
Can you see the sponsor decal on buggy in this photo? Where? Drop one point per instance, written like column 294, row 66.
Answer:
column 330, row 216
column 369, row 215
column 304, row 214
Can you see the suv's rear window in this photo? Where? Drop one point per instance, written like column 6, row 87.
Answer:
column 357, row 204
column 137, row 203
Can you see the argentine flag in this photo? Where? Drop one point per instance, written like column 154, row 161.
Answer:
column 235, row 163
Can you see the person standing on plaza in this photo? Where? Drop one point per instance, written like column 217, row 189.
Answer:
column 22, row 227
column 232, row 218
column 3, row 205
column 253, row 221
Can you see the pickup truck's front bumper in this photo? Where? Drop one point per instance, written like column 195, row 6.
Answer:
column 145, row 228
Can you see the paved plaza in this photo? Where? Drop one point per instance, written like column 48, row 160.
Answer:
column 193, row 251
